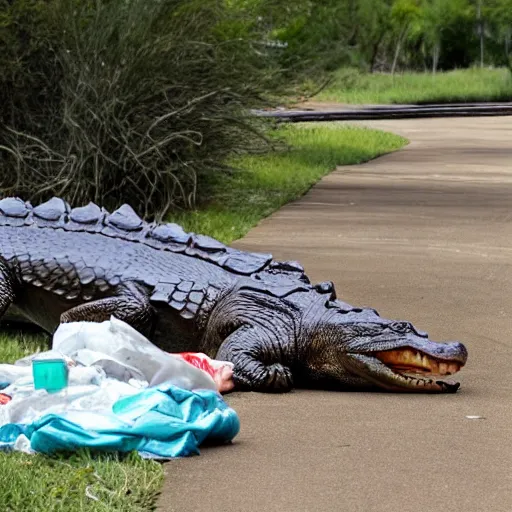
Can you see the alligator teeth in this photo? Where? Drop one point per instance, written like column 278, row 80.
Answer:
column 416, row 362
column 452, row 368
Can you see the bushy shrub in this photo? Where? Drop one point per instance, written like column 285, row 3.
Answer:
column 113, row 101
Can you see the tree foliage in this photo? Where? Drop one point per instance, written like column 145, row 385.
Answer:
column 392, row 34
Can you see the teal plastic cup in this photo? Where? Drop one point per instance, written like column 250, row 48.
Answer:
column 50, row 374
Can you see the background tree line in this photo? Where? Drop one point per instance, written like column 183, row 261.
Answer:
column 387, row 35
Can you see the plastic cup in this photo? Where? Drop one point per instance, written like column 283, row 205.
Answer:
column 50, row 374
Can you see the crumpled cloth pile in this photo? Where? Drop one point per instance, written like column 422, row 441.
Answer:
column 124, row 394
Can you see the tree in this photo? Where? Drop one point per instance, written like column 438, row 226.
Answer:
column 374, row 20
column 403, row 14
column 438, row 17
column 499, row 15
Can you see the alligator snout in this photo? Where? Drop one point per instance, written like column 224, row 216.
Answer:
column 453, row 351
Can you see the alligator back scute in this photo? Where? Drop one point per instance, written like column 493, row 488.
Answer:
column 184, row 296
column 245, row 263
column 14, row 211
column 89, row 218
column 278, row 284
column 283, row 278
column 218, row 257
column 14, row 207
column 326, row 287
column 52, row 214
column 207, row 243
column 125, row 224
column 172, row 237
column 125, row 219
column 170, row 233
column 89, row 214
column 52, row 210
column 289, row 268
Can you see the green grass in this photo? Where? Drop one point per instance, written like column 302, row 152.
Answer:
column 78, row 482
column 15, row 344
column 465, row 85
column 263, row 184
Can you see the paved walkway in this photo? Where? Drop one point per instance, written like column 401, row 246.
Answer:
column 425, row 235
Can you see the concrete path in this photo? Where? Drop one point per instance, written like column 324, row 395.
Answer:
column 425, row 235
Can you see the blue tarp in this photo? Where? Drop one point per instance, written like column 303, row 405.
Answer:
column 162, row 421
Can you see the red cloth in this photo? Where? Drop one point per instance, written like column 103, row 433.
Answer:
column 198, row 360
column 4, row 399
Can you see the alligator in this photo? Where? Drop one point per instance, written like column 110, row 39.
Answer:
column 189, row 292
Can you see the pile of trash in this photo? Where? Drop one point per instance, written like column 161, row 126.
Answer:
column 121, row 393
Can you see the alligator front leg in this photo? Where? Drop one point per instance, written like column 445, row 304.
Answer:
column 131, row 306
column 254, row 368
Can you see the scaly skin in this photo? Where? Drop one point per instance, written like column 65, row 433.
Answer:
column 191, row 293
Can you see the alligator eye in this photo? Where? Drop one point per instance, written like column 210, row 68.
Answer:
column 401, row 327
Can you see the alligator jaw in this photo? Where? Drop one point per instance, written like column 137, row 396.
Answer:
column 407, row 369
column 410, row 361
column 419, row 384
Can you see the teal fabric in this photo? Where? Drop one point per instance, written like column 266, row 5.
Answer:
column 162, row 422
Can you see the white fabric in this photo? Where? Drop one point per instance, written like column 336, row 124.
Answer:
column 106, row 361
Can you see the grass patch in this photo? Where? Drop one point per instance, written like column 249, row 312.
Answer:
column 465, row 85
column 15, row 344
column 264, row 183
column 261, row 185
column 80, row 482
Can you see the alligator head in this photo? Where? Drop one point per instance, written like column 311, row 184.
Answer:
column 358, row 348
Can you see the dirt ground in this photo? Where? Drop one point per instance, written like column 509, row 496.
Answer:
column 425, row 235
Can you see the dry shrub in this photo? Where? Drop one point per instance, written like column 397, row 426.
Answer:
column 125, row 101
